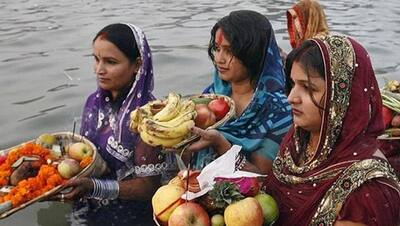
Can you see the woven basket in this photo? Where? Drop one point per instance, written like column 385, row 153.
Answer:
column 96, row 168
column 228, row 116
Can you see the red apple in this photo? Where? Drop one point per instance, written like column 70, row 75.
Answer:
column 205, row 117
column 189, row 214
column 220, row 107
column 244, row 213
column 68, row 168
column 387, row 115
column 79, row 151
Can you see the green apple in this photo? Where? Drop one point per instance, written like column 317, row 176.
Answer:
column 46, row 140
column 79, row 151
column 68, row 168
column 269, row 207
column 217, row 220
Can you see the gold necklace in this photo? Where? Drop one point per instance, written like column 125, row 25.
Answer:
column 309, row 153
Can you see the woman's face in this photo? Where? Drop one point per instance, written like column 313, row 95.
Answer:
column 230, row 68
column 113, row 69
column 305, row 112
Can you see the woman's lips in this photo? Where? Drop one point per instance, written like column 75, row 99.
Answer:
column 222, row 69
column 296, row 111
column 102, row 80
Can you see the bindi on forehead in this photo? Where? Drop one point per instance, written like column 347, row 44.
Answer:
column 219, row 36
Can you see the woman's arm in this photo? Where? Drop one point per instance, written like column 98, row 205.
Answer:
column 146, row 183
column 375, row 202
column 256, row 163
column 141, row 188
column 260, row 163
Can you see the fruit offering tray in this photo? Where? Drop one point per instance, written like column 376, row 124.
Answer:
column 37, row 169
column 391, row 110
column 219, row 194
column 166, row 123
column 207, row 98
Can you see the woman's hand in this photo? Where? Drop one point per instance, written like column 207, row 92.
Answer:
column 209, row 138
column 79, row 188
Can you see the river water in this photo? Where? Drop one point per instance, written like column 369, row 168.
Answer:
column 46, row 64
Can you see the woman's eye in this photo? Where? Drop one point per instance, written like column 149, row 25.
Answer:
column 112, row 62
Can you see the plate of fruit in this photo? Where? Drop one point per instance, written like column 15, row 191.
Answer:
column 391, row 110
column 166, row 123
column 231, row 201
column 38, row 168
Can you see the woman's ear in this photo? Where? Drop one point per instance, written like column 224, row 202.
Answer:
column 138, row 61
column 138, row 64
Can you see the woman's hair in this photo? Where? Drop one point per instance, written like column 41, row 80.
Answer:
column 309, row 56
column 249, row 33
column 122, row 37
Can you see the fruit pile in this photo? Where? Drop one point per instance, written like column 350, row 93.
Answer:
column 231, row 202
column 162, row 123
column 167, row 122
column 391, row 108
column 31, row 169
column 209, row 111
column 70, row 158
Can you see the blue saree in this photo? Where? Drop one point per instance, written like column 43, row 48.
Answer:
column 264, row 122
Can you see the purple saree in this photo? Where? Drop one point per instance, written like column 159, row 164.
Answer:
column 106, row 123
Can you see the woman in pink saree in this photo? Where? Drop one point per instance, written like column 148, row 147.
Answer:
column 329, row 170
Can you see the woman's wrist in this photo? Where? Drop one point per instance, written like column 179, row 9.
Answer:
column 222, row 145
column 104, row 189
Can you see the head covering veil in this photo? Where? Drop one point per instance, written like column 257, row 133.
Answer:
column 110, row 128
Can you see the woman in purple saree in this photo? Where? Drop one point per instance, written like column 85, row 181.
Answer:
column 123, row 67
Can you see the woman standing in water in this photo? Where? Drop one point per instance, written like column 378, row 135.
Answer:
column 248, row 68
column 123, row 67
column 329, row 170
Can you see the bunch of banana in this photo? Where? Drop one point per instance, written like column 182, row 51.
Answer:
column 164, row 123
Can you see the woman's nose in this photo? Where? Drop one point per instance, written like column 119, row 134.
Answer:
column 220, row 57
column 293, row 98
column 99, row 67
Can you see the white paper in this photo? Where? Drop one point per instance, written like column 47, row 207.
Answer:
column 223, row 166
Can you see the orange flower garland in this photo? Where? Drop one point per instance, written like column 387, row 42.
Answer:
column 85, row 162
column 29, row 149
column 30, row 188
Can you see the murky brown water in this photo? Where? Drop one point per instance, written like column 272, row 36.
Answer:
column 45, row 57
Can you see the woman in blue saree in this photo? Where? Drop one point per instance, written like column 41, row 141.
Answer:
column 249, row 70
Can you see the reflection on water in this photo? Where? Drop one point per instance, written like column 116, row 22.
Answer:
column 45, row 58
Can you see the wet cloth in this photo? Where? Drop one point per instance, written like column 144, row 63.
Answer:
column 265, row 120
column 343, row 180
column 106, row 124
